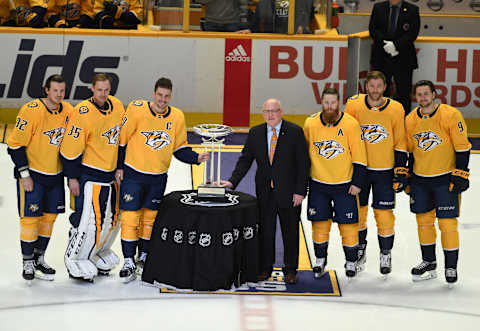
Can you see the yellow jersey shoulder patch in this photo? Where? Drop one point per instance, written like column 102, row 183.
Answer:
column 137, row 103
column 32, row 104
column 353, row 97
column 314, row 114
column 83, row 110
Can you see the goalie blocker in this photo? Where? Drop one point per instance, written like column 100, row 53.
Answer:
column 94, row 228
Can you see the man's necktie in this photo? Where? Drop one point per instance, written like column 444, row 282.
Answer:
column 273, row 145
column 392, row 27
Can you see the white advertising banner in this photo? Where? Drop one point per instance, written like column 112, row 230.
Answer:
column 294, row 71
column 134, row 63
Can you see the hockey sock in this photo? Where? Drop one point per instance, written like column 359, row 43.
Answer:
column 321, row 235
column 385, row 225
column 45, row 228
column 28, row 235
column 146, row 226
column 451, row 258
column 428, row 252
column 129, row 234
column 349, row 233
column 362, row 224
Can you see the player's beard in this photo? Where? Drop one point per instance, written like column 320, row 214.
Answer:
column 375, row 97
column 330, row 116
column 427, row 105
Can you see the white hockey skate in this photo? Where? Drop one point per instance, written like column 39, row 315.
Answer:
column 424, row 271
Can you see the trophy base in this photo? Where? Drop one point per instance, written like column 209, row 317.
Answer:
column 211, row 192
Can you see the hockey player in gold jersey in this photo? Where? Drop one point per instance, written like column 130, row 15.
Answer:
column 34, row 146
column 152, row 132
column 383, row 132
column 120, row 14
column 439, row 157
column 14, row 12
column 338, row 167
column 61, row 13
column 89, row 155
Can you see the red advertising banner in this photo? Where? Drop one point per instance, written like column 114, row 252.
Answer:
column 236, row 89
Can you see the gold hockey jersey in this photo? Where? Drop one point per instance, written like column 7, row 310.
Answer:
column 433, row 139
column 151, row 138
column 124, row 6
column 333, row 148
column 94, row 133
column 68, row 10
column 383, row 130
column 41, row 131
column 18, row 10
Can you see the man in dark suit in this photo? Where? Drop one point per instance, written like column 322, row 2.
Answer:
column 279, row 148
column 394, row 26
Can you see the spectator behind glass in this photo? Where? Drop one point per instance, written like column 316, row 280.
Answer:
column 271, row 16
column 226, row 15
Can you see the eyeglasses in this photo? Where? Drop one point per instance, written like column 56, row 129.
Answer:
column 271, row 111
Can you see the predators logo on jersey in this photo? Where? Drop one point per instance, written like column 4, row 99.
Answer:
column 112, row 135
column 55, row 135
column 373, row 133
column 427, row 140
column 156, row 139
column 329, row 149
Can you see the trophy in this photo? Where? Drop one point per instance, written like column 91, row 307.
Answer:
column 212, row 141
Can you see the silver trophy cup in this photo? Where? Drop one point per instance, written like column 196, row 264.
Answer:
column 212, row 140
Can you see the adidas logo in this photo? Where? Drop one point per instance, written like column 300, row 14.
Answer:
column 238, row 54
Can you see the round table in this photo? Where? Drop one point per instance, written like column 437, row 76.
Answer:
column 203, row 247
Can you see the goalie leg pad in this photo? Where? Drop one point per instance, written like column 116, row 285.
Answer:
column 94, row 229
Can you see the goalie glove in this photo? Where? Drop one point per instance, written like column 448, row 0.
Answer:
column 400, row 181
column 459, row 181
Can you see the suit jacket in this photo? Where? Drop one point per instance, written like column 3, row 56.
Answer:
column 408, row 26
column 290, row 166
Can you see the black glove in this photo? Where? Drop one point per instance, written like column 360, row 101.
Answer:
column 400, row 181
column 459, row 181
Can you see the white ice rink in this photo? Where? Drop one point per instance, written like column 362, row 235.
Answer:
column 367, row 303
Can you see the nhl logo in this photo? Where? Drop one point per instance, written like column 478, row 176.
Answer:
column 164, row 234
column 247, row 232
column 178, row 236
column 205, row 239
column 192, row 237
column 236, row 234
column 227, row 239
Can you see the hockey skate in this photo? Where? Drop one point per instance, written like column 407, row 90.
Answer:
column 385, row 262
column 319, row 268
column 141, row 263
column 350, row 269
column 362, row 257
column 28, row 271
column 424, row 271
column 451, row 276
column 127, row 274
column 43, row 270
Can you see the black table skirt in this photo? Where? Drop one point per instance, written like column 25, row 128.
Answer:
column 203, row 248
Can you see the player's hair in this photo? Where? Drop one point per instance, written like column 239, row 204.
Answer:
column 163, row 83
column 101, row 77
column 331, row 90
column 376, row 75
column 53, row 78
column 424, row 83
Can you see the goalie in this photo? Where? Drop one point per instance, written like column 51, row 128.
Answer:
column 89, row 155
